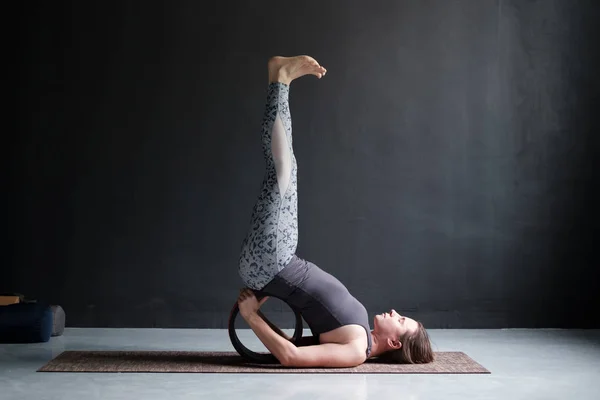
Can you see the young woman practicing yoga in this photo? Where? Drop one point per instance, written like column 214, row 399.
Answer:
column 269, row 264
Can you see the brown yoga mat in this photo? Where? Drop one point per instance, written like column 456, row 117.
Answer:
column 230, row 362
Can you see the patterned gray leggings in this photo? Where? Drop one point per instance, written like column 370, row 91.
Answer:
column 272, row 238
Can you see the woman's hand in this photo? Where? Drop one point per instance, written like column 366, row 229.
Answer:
column 248, row 304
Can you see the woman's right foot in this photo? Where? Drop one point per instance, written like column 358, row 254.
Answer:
column 286, row 69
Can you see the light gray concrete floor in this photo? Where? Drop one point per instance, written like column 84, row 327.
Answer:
column 524, row 364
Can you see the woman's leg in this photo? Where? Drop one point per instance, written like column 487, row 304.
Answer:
column 273, row 235
column 272, row 238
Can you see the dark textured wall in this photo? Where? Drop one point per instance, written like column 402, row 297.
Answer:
column 446, row 162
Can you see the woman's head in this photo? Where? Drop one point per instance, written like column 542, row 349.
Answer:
column 404, row 339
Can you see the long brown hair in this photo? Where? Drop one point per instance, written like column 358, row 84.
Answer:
column 416, row 349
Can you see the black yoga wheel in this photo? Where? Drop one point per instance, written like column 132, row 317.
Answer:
column 252, row 356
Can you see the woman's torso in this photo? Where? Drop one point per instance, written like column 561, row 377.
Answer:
column 331, row 312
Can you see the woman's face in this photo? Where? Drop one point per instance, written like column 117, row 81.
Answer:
column 391, row 324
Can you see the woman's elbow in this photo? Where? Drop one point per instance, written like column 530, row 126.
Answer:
column 288, row 358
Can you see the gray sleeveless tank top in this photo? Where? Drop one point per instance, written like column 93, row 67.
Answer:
column 324, row 302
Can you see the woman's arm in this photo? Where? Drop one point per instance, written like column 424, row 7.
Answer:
column 320, row 355
column 303, row 341
column 288, row 354
column 280, row 347
column 274, row 327
column 249, row 307
column 328, row 355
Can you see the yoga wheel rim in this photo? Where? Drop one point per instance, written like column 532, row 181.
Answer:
column 246, row 353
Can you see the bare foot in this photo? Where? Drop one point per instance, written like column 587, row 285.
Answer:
column 286, row 69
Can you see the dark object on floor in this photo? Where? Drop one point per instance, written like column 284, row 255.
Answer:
column 59, row 317
column 25, row 323
column 230, row 362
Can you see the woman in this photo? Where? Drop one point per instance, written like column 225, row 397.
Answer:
column 269, row 264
